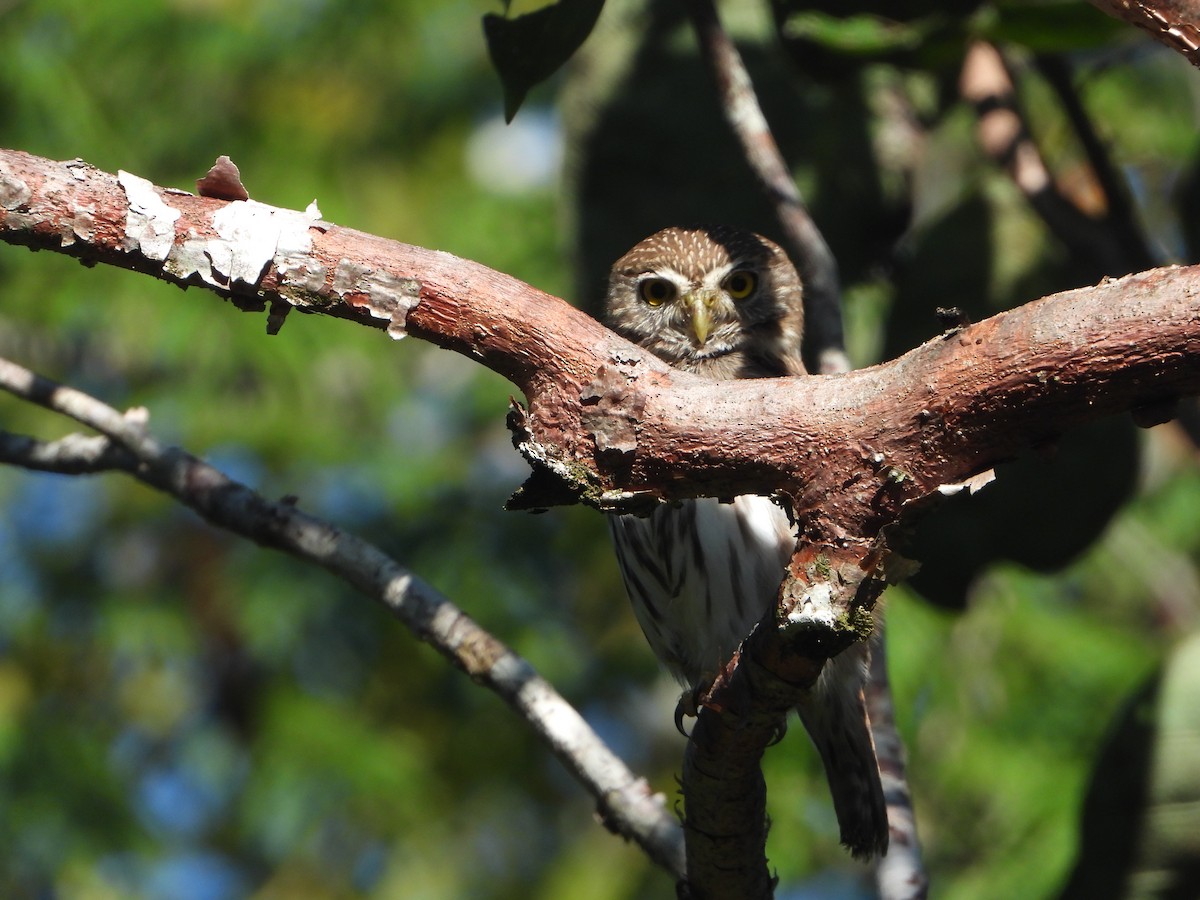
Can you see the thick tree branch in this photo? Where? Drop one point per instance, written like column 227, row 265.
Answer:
column 730, row 864
column 618, row 424
column 624, row 801
column 726, row 799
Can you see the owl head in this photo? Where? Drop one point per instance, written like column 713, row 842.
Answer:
column 718, row 301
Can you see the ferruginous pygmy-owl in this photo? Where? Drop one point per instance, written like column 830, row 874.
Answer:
column 726, row 303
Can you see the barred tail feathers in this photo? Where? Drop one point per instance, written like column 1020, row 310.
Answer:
column 835, row 716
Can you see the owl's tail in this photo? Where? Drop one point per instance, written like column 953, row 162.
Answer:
column 835, row 715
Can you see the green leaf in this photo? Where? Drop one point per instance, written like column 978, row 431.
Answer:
column 861, row 34
column 530, row 48
column 1054, row 27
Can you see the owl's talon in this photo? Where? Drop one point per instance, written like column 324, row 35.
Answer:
column 679, row 714
column 688, row 705
column 780, row 731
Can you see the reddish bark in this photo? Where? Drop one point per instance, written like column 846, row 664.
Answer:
column 620, row 428
column 1170, row 22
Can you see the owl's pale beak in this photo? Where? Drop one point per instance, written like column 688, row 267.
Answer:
column 700, row 306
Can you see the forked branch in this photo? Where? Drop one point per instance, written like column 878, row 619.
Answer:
column 617, row 425
column 613, row 425
column 608, row 424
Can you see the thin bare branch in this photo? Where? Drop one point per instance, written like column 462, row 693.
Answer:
column 818, row 268
column 73, row 454
column 625, row 801
column 1005, row 137
column 901, row 874
column 1120, row 214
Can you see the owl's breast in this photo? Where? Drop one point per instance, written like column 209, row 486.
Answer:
column 701, row 574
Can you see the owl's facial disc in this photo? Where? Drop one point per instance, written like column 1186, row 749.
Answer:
column 712, row 300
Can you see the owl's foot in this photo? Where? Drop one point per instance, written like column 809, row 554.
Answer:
column 691, row 701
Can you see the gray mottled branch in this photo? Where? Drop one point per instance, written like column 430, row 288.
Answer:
column 901, row 874
column 73, row 454
column 625, row 801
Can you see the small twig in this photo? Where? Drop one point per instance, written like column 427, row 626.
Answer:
column 624, row 800
column 818, row 268
column 74, row 454
column 901, row 874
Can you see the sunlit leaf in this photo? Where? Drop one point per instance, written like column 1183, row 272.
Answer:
column 861, row 34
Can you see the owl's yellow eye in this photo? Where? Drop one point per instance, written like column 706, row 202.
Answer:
column 741, row 284
column 656, row 291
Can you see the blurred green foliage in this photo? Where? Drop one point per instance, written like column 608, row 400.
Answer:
column 186, row 716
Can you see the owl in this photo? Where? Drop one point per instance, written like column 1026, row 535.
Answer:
column 725, row 303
